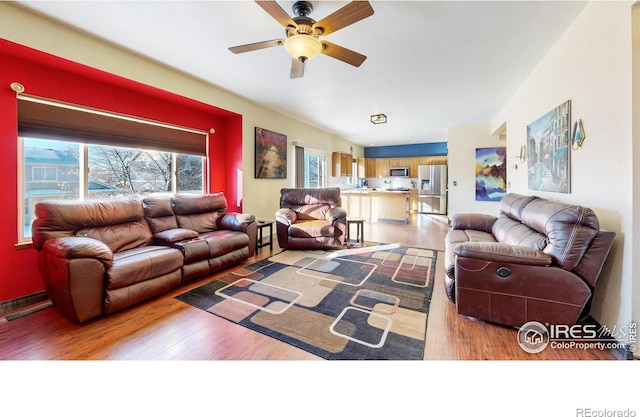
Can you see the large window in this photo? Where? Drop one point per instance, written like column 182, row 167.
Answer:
column 68, row 170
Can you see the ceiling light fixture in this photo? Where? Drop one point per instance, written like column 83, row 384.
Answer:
column 377, row 119
column 302, row 47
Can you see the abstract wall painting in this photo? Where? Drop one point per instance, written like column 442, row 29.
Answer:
column 548, row 156
column 491, row 173
column 271, row 154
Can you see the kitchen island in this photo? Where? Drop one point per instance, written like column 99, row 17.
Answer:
column 375, row 205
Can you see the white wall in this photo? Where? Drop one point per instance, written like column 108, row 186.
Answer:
column 261, row 196
column 591, row 66
column 462, row 144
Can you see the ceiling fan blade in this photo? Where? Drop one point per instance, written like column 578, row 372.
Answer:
column 349, row 14
column 343, row 54
column 297, row 69
column 277, row 13
column 255, row 46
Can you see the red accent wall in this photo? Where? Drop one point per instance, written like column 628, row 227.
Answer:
column 48, row 76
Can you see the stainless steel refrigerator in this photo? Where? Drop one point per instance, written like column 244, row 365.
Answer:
column 432, row 194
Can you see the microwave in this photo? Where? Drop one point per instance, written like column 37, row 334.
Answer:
column 399, row 172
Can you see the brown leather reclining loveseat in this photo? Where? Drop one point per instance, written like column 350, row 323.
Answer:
column 97, row 257
column 538, row 261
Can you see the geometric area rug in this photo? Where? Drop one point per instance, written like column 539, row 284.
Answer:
column 365, row 303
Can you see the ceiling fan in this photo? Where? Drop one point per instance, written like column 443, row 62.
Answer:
column 302, row 33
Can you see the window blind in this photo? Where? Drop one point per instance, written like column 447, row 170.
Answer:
column 61, row 121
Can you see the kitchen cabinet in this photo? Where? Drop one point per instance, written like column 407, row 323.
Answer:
column 413, row 163
column 341, row 164
column 370, row 168
column 433, row 160
column 382, row 167
column 379, row 167
column 377, row 205
column 413, row 200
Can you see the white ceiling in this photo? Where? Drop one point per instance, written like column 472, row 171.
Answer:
column 430, row 64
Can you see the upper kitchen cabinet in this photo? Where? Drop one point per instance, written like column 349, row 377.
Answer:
column 370, row 168
column 341, row 164
column 433, row 160
column 382, row 167
column 413, row 166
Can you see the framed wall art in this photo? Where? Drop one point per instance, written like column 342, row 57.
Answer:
column 271, row 154
column 548, row 156
column 491, row 173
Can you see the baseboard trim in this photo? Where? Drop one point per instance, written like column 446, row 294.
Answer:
column 21, row 302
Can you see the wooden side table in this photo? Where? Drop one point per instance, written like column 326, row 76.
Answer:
column 260, row 241
column 359, row 223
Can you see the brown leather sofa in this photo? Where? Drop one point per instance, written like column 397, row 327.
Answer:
column 311, row 218
column 537, row 261
column 97, row 257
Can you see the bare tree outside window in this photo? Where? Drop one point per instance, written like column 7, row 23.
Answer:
column 189, row 175
column 124, row 171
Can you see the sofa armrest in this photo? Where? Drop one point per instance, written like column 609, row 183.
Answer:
column 171, row 236
column 336, row 214
column 474, row 221
column 74, row 247
column 500, row 252
column 235, row 221
column 286, row 216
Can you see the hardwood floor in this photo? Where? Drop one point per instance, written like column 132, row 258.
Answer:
column 166, row 329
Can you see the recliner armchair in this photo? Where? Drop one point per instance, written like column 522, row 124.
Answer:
column 311, row 218
column 538, row 260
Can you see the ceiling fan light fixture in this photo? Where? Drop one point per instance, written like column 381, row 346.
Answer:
column 378, row 119
column 302, row 47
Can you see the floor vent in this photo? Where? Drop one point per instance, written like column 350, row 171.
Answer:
column 27, row 312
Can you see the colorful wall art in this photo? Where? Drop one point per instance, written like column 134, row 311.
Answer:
column 271, row 154
column 491, row 173
column 548, row 150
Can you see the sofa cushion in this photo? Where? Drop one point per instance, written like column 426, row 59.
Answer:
column 199, row 212
column 58, row 218
column 201, row 222
column 158, row 212
column 224, row 241
column 512, row 232
column 195, row 203
column 141, row 264
column 312, row 228
column 311, row 211
column 512, row 204
column 120, row 237
column 570, row 229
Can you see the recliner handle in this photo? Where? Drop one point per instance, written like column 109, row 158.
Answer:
column 503, row 272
